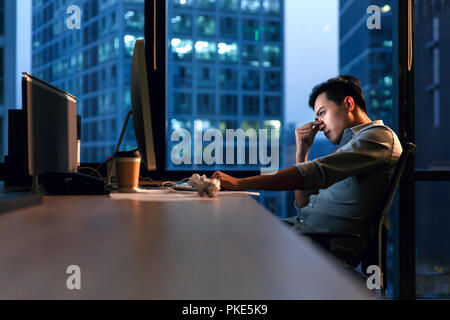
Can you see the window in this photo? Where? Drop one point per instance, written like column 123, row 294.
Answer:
column 228, row 27
column 432, row 160
column 228, row 105
column 2, row 17
column 206, row 25
column 1, row 77
column 182, row 24
column 250, row 79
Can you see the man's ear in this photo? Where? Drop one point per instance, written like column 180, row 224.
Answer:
column 349, row 103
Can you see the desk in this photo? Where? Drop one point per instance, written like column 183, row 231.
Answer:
column 225, row 248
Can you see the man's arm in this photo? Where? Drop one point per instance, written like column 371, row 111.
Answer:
column 287, row 179
column 302, row 196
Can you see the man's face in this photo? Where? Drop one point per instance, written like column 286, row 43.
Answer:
column 334, row 117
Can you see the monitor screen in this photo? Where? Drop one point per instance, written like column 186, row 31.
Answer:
column 51, row 116
column 140, row 105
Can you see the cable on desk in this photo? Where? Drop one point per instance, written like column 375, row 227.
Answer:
column 92, row 169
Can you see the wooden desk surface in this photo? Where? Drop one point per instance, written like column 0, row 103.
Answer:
column 225, row 248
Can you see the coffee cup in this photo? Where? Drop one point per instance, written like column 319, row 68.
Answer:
column 128, row 165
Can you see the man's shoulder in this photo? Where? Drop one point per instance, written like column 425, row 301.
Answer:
column 383, row 135
column 379, row 131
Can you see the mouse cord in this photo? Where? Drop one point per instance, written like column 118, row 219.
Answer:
column 92, row 169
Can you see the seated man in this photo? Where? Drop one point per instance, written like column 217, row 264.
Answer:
column 344, row 191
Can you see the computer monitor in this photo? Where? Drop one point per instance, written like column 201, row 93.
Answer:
column 140, row 105
column 51, row 122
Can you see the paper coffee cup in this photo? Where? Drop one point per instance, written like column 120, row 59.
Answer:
column 128, row 167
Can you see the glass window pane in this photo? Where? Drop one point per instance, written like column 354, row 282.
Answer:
column 228, row 27
column 228, row 104
column 181, row 24
column 250, row 79
column 206, row 25
column 89, row 62
column 250, row 29
column 228, row 79
column 432, row 240
column 206, row 4
column 229, row 5
column 432, row 85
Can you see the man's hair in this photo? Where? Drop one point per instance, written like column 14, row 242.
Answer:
column 337, row 89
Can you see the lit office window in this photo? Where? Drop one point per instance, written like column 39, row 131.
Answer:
column 180, row 124
column 206, row 25
column 205, row 50
column 250, row 6
column 129, row 42
column 271, row 56
column 206, row 4
column 250, row 29
column 182, row 24
column 250, row 55
column 228, row 52
column 182, row 3
column 229, row 5
column 181, row 49
column 134, row 20
column 271, row 6
column 275, row 126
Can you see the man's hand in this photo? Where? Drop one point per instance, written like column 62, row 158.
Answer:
column 304, row 136
column 228, row 182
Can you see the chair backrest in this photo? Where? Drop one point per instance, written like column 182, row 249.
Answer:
column 376, row 251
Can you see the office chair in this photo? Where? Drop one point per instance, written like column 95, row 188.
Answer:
column 375, row 253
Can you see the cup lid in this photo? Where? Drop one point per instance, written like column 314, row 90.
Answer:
column 128, row 154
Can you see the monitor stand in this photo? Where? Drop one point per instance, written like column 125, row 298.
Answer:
column 111, row 163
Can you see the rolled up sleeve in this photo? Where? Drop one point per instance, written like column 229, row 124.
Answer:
column 365, row 152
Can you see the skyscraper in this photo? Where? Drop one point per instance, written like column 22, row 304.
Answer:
column 226, row 71
column 225, row 66
column 432, row 34
column 367, row 53
column 92, row 62
column 432, row 120
column 15, row 58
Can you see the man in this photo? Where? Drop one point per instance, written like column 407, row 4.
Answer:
column 344, row 191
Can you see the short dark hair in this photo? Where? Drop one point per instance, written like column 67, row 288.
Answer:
column 337, row 89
